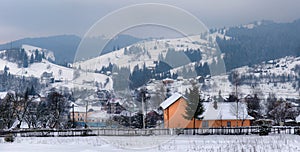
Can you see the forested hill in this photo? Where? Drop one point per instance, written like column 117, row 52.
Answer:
column 260, row 41
column 245, row 45
column 65, row 46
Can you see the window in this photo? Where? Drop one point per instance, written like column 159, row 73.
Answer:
column 204, row 124
column 228, row 124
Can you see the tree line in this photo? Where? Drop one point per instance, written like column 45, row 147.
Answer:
column 36, row 112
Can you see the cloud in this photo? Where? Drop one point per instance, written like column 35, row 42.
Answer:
column 34, row 17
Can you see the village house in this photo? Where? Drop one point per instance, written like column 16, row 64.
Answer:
column 114, row 106
column 92, row 116
column 47, row 78
column 217, row 114
column 298, row 120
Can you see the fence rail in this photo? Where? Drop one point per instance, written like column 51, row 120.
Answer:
column 148, row 132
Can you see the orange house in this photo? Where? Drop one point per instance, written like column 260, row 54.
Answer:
column 217, row 114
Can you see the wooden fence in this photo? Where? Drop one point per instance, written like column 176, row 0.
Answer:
column 147, row 132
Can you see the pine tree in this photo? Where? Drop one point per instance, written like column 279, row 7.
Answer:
column 194, row 106
column 125, row 51
column 31, row 91
column 31, row 59
column 25, row 61
column 43, row 55
column 36, row 55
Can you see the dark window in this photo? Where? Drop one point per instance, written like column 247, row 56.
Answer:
column 228, row 124
column 204, row 124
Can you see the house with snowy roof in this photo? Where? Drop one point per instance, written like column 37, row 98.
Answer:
column 298, row 119
column 93, row 116
column 216, row 114
column 114, row 106
column 47, row 77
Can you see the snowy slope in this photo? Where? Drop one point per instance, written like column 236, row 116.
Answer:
column 66, row 75
column 150, row 51
column 30, row 50
column 262, row 86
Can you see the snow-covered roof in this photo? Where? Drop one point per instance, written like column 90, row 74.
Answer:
column 79, row 109
column 116, row 100
column 99, row 114
column 83, row 109
column 2, row 94
column 225, row 111
column 298, row 119
column 37, row 99
column 170, row 100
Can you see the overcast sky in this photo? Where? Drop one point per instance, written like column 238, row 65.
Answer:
column 35, row 18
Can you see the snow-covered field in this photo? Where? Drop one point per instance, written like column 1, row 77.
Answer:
column 251, row 143
column 154, row 49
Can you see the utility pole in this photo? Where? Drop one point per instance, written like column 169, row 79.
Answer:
column 237, row 99
column 145, row 96
column 143, row 111
column 86, row 111
column 73, row 116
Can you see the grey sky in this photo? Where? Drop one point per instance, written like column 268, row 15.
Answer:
column 33, row 18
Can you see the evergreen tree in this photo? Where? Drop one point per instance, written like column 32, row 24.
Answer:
column 36, row 54
column 25, row 61
column 125, row 51
column 32, row 91
column 43, row 55
column 31, row 59
column 194, row 106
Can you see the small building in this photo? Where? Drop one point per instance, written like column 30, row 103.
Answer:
column 92, row 116
column 80, row 113
column 47, row 77
column 217, row 114
column 298, row 120
column 97, row 119
column 114, row 106
column 168, row 81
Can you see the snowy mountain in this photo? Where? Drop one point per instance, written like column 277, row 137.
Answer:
column 55, row 75
column 65, row 46
column 147, row 52
column 30, row 50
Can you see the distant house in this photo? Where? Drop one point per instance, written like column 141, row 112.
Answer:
column 2, row 95
column 97, row 119
column 114, row 106
column 92, row 116
column 79, row 113
column 217, row 114
column 153, row 118
column 103, row 95
column 298, row 120
column 47, row 77
column 168, row 81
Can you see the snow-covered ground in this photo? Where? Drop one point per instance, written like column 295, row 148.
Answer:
column 263, row 87
column 150, row 51
column 66, row 75
column 30, row 50
column 250, row 143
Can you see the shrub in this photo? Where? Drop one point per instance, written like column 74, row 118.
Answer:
column 264, row 131
column 9, row 138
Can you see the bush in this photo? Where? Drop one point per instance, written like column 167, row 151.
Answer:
column 297, row 132
column 264, row 131
column 9, row 138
